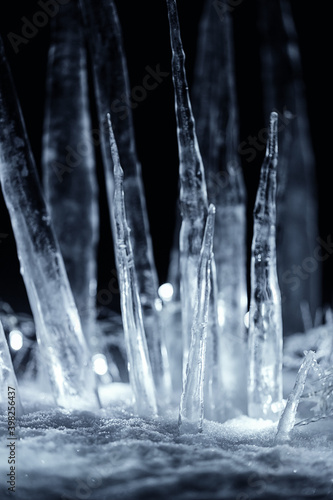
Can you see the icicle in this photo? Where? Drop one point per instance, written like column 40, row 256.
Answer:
column 8, row 382
column 193, row 195
column 216, row 114
column 297, row 200
column 111, row 85
column 265, row 321
column 69, row 166
column 215, row 403
column 139, row 365
column 287, row 420
column 192, row 403
column 172, row 331
column 59, row 332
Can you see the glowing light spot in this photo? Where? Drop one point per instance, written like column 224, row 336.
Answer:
column 278, row 406
column 100, row 364
column 220, row 313
column 247, row 319
column 165, row 292
column 16, row 340
column 158, row 305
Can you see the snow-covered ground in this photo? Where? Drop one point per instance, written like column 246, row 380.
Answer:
column 112, row 454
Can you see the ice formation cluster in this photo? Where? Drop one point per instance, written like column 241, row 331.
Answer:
column 206, row 357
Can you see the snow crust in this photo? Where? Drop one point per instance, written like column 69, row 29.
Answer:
column 113, row 454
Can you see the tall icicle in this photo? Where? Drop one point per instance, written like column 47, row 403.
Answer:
column 215, row 403
column 8, row 382
column 265, row 322
column 191, row 410
column 297, row 200
column 193, row 195
column 140, row 372
column 216, row 114
column 68, row 163
column 58, row 327
column 111, row 85
column 287, row 420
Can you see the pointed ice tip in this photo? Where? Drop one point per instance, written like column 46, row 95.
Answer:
column 117, row 170
column 272, row 144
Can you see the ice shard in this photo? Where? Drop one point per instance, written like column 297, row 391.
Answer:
column 193, row 195
column 265, row 319
column 287, row 419
column 70, row 183
column 216, row 115
column 58, row 326
column 140, row 372
column 216, row 403
column 8, row 382
column 191, row 410
column 111, row 85
column 297, row 230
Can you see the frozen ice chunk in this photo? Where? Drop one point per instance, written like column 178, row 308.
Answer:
column 297, row 227
column 216, row 115
column 111, row 85
column 191, row 410
column 61, row 341
column 68, row 163
column 265, row 320
column 287, row 419
column 140, row 372
column 193, row 195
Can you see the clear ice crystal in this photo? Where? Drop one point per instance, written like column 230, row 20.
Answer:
column 111, row 84
column 193, row 194
column 7, row 376
column 297, row 230
column 215, row 401
column 139, row 367
column 216, row 114
column 265, row 319
column 61, row 341
column 288, row 417
column 68, row 163
column 191, row 410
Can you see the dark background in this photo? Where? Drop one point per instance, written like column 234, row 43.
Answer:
column 146, row 38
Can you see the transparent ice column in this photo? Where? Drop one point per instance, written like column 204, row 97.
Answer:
column 193, row 195
column 60, row 338
column 68, row 163
column 265, row 320
column 140, row 371
column 191, row 410
column 297, row 226
column 288, row 417
column 111, row 84
column 216, row 115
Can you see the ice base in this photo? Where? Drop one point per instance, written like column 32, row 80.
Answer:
column 112, row 453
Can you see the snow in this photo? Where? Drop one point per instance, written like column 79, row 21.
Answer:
column 113, row 454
